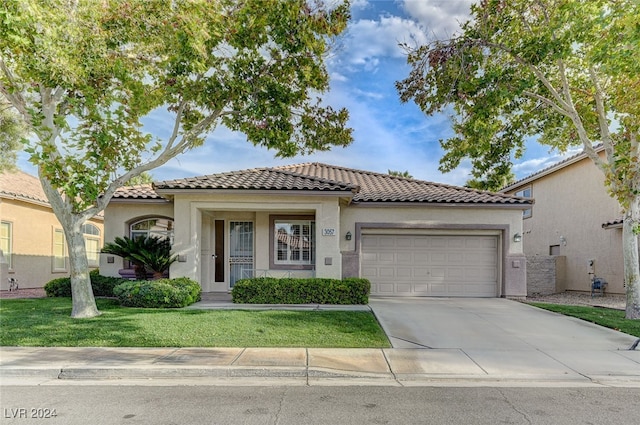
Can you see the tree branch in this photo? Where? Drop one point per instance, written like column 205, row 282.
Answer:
column 14, row 98
column 602, row 113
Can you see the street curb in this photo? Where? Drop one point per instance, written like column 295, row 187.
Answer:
column 309, row 376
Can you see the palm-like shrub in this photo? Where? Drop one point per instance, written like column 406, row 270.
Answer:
column 147, row 254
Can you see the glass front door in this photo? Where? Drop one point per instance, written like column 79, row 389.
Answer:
column 240, row 250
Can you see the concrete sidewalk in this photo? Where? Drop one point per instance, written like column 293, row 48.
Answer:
column 468, row 343
column 321, row 366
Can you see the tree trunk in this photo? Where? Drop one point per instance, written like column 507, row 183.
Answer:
column 84, row 303
column 631, row 259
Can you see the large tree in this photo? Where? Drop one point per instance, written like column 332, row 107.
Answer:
column 83, row 73
column 566, row 72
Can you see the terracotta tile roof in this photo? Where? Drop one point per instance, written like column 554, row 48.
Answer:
column 18, row 184
column 258, row 179
column 142, row 191
column 376, row 187
column 366, row 186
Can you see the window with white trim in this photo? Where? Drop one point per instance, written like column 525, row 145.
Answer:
column 91, row 235
column 525, row 193
column 162, row 227
column 294, row 242
column 6, row 242
column 59, row 251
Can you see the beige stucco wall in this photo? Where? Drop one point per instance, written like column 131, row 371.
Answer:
column 570, row 207
column 32, row 242
column 118, row 216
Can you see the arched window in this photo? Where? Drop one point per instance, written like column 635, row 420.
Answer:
column 162, row 227
column 92, row 243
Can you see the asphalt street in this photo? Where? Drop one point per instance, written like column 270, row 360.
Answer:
column 282, row 405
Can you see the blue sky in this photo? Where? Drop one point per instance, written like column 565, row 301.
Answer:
column 364, row 66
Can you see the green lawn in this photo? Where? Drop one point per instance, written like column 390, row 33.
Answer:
column 606, row 317
column 47, row 323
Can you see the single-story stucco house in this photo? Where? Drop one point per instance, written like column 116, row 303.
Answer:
column 408, row 237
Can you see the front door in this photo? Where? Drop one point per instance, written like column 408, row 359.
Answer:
column 240, row 251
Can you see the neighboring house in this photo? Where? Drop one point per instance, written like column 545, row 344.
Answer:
column 408, row 237
column 32, row 242
column 573, row 217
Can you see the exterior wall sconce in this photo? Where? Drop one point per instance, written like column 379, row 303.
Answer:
column 517, row 237
column 348, row 236
column 563, row 240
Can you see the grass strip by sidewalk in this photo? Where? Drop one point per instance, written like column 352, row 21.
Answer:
column 606, row 317
column 46, row 322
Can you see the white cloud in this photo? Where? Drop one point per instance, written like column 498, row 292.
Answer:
column 441, row 18
column 367, row 41
column 533, row 165
column 359, row 4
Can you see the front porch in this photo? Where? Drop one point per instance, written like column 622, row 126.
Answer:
column 220, row 243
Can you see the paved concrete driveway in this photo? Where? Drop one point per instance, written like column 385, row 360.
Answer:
column 488, row 324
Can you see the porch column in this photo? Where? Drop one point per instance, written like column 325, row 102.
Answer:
column 186, row 244
column 328, row 257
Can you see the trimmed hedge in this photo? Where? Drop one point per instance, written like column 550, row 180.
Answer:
column 267, row 290
column 161, row 293
column 102, row 285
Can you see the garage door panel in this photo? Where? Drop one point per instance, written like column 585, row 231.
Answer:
column 404, row 273
column 404, row 258
column 436, row 258
column 421, row 273
column 442, row 265
column 421, row 257
column 480, row 274
column 456, row 243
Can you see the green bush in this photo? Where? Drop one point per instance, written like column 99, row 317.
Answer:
column 266, row 290
column 161, row 293
column 102, row 285
column 60, row 287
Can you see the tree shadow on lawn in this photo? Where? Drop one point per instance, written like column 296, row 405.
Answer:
column 48, row 323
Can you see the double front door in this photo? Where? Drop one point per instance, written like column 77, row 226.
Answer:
column 233, row 251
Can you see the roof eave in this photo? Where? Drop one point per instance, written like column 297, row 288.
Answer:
column 140, row 200
column 287, row 192
column 441, row 204
column 552, row 169
column 15, row 197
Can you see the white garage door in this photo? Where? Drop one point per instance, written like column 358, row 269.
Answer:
column 429, row 265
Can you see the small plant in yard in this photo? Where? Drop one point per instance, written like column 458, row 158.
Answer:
column 161, row 293
column 102, row 285
column 147, row 254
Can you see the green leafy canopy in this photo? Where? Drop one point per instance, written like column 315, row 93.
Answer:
column 83, row 74
column 564, row 72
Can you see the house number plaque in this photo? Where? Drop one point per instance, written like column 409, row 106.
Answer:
column 328, row 232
